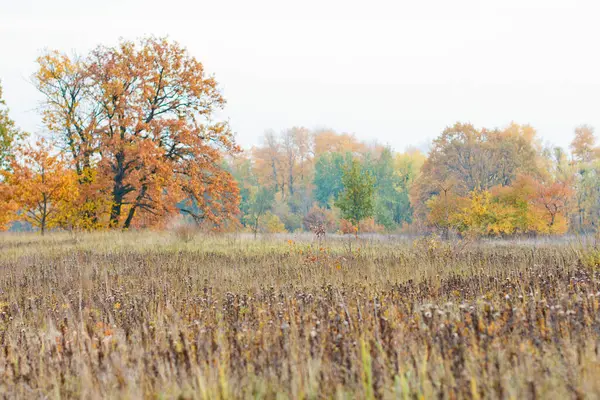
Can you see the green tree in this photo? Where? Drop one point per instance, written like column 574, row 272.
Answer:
column 329, row 170
column 356, row 201
column 392, row 206
column 240, row 168
column 260, row 202
column 586, row 212
column 8, row 133
column 407, row 167
column 585, row 215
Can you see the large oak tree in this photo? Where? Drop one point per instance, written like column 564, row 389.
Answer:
column 139, row 122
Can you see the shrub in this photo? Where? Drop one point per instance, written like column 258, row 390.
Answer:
column 272, row 224
column 317, row 215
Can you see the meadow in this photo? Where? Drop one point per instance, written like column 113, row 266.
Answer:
column 189, row 316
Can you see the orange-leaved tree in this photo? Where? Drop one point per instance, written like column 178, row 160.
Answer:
column 142, row 115
column 40, row 186
column 8, row 207
column 9, row 136
column 554, row 199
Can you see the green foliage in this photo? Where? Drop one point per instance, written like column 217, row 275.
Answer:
column 328, row 181
column 8, row 133
column 259, row 202
column 586, row 208
column 242, row 172
column 356, row 202
column 292, row 221
column 392, row 205
column 272, row 224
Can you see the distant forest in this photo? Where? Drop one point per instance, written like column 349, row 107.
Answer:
column 473, row 181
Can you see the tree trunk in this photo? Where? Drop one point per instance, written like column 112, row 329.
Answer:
column 85, row 179
column 256, row 226
column 44, row 214
column 115, row 211
column 130, row 215
column 118, row 192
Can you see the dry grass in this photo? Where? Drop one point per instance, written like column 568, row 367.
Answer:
column 154, row 316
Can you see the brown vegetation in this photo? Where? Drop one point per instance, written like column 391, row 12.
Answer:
column 129, row 315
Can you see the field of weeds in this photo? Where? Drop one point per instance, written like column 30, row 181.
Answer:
column 148, row 315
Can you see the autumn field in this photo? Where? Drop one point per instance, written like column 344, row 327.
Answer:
column 166, row 315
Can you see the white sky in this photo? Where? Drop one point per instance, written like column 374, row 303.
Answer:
column 396, row 71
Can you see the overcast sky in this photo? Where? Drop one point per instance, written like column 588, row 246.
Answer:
column 396, row 71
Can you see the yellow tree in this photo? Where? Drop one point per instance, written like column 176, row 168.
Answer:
column 408, row 165
column 41, row 186
column 442, row 206
column 528, row 206
column 535, row 207
column 475, row 159
column 268, row 163
column 328, row 141
column 285, row 162
column 481, row 214
column 298, row 150
column 583, row 144
column 72, row 115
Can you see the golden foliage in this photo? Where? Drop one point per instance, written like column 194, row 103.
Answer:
column 40, row 186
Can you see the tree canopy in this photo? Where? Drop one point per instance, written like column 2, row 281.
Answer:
column 138, row 122
column 356, row 200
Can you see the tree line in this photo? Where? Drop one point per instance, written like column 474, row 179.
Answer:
column 484, row 182
column 133, row 140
